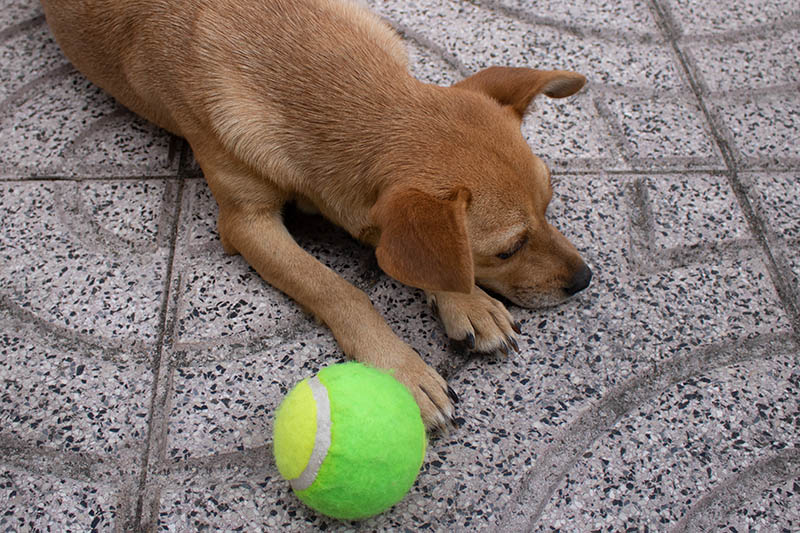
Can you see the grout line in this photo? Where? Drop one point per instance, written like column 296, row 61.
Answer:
column 782, row 285
column 158, row 379
column 425, row 42
column 79, row 178
column 576, row 30
column 760, row 32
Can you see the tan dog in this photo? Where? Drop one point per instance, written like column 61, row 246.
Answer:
column 311, row 100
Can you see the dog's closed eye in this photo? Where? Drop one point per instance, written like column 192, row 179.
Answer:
column 514, row 249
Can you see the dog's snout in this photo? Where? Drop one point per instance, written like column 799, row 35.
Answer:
column 580, row 281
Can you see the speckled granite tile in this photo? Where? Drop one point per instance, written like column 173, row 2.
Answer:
column 777, row 200
column 221, row 407
column 702, row 17
column 637, row 306
column 232, row 500
column 15, row 11
column 74, row 429
column 792, row 257
column 16, row 53
column 54, row 122
column 515, row 410
column 577, row 352
column 571, row 134
column 679, row 446
column 67, row 396
column 246, row 492
column 775, row 509
column 36, row 502
column 626, row 18
column 763, row 128
column 428, row 66
column 664, row 132
column 222, row 298
column 209, row 271
column 755, row 64
column 88, row 258
column 484, row 37
column 65, row 126
column 695, row 209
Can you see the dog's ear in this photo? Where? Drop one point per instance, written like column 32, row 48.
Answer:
column 517, row 87
column 423, row 240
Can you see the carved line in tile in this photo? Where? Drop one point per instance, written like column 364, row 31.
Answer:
column 81, row 467
column 673, row 29
column 75, row 214
column 552, row 466
column 28, row 323
column 23, row 93
column 740, row 490
column 21, row 27
column 424, row 42
column 724, row 132
column 100, row 471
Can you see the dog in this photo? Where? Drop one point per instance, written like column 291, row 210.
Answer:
column 311, row 101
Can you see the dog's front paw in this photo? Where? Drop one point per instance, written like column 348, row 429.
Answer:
column 479, row 320
column 432, row 393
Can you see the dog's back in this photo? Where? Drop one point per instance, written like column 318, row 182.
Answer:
column 245, row 69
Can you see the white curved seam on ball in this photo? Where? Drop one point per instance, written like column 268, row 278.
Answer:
column 322, row 440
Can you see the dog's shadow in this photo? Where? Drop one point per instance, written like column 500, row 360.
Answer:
column 334, row 247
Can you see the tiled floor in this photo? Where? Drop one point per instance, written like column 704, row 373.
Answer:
column 141, row 366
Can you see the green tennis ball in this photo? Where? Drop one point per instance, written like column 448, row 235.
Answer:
column 350, row 441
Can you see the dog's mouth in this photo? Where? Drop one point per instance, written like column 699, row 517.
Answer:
column 527, row 297
column 533, row 299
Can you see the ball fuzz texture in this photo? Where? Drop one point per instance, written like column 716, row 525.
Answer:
column 350, row 441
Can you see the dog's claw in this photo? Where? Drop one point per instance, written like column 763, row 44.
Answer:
column 470, row 340
column 503, row 348
column 478, row 321
column 452, row 394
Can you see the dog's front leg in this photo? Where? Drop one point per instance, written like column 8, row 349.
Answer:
column 479, row 320
column 257, row 232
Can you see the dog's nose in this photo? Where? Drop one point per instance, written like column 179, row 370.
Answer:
column 580, row 281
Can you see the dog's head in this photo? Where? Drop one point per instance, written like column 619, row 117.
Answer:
column 477, row 212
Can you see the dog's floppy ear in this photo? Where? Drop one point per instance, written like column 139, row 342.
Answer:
column 423, row 240
column 517, row 87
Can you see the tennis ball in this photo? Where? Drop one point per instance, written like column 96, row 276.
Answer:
column 350, row 441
